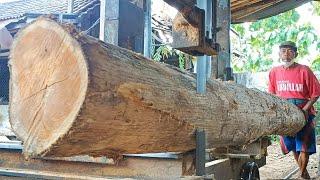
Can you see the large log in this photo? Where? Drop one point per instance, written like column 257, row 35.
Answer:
column 72, row 94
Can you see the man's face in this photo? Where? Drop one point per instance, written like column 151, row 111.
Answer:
column 287, row 54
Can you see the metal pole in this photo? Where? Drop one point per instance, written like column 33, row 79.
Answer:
column 200, row 152
column 70, row 6
column 201, row 74
column 147, row 28
column 228, row 69
column 201, row 60
column 102, row 19
column 208, row 67
column 204, row 71
column 208, row 35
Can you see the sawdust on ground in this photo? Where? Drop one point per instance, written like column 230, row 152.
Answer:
column 278, row 166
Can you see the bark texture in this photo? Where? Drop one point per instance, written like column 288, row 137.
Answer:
column 72, row 94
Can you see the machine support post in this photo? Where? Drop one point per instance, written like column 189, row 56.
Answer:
column 200, row 152
column 208, row 30
column 201, row 74
column 222, row 61
column 203, row 67
column 147, row 28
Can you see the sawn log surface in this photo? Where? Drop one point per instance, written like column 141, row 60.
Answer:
column 71, row 94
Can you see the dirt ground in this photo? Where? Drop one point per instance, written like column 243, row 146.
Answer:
column 278, row 166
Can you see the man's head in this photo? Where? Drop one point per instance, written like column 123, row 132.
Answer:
column 288, row 51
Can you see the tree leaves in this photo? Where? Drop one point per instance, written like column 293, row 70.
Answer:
column 316, row 8
column 262, row 36
column 164, row 52
column 316, row 63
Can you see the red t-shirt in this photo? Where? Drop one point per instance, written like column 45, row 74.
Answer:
column 295, row 82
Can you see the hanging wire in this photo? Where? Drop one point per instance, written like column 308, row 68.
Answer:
column 93, row 25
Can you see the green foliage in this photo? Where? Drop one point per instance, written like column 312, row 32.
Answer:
column 164, row 52
column 274, row 138
column 182, row 60
column 316, row 8
column 262, row 36
column 317, row 118
column 161, row 52
column 239, row 29
column 316, row 63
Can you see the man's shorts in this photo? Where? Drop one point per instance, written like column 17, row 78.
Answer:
column 303, row 141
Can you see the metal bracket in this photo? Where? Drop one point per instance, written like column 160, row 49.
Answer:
column 190, row 30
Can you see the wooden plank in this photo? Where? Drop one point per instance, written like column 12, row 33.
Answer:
column 32, row 174
column 133, row 167
column 281, row 7
column 248, row 10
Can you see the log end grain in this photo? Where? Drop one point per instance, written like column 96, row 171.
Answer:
column 48, row 82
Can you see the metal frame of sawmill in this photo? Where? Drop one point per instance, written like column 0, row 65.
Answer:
column 200, row 163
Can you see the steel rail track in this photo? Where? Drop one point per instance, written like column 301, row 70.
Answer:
column 291, row 173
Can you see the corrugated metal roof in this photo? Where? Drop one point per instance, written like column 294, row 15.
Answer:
column 241, row 10
column 252, row 10
column 17, row 9
column 248, row 10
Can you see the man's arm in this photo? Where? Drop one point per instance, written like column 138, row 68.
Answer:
column 271, row 88
column 313, row 86
column 309, row 104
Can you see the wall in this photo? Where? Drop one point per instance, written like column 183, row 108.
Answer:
column 253, row 80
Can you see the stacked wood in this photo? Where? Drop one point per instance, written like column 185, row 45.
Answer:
column 71, row 94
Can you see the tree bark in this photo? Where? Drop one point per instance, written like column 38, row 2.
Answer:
column 72, row 95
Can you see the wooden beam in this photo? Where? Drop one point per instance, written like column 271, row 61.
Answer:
column 252, row 8
column 270, row 11
column 13, row 162
column 222, row 60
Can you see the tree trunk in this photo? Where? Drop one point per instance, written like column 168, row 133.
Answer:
column 72, row 95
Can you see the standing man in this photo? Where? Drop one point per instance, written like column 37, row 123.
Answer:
column 297, row 84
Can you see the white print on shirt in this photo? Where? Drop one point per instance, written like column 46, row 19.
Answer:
column 287, row 86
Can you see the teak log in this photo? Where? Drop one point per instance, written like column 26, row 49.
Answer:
column 71, row 94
